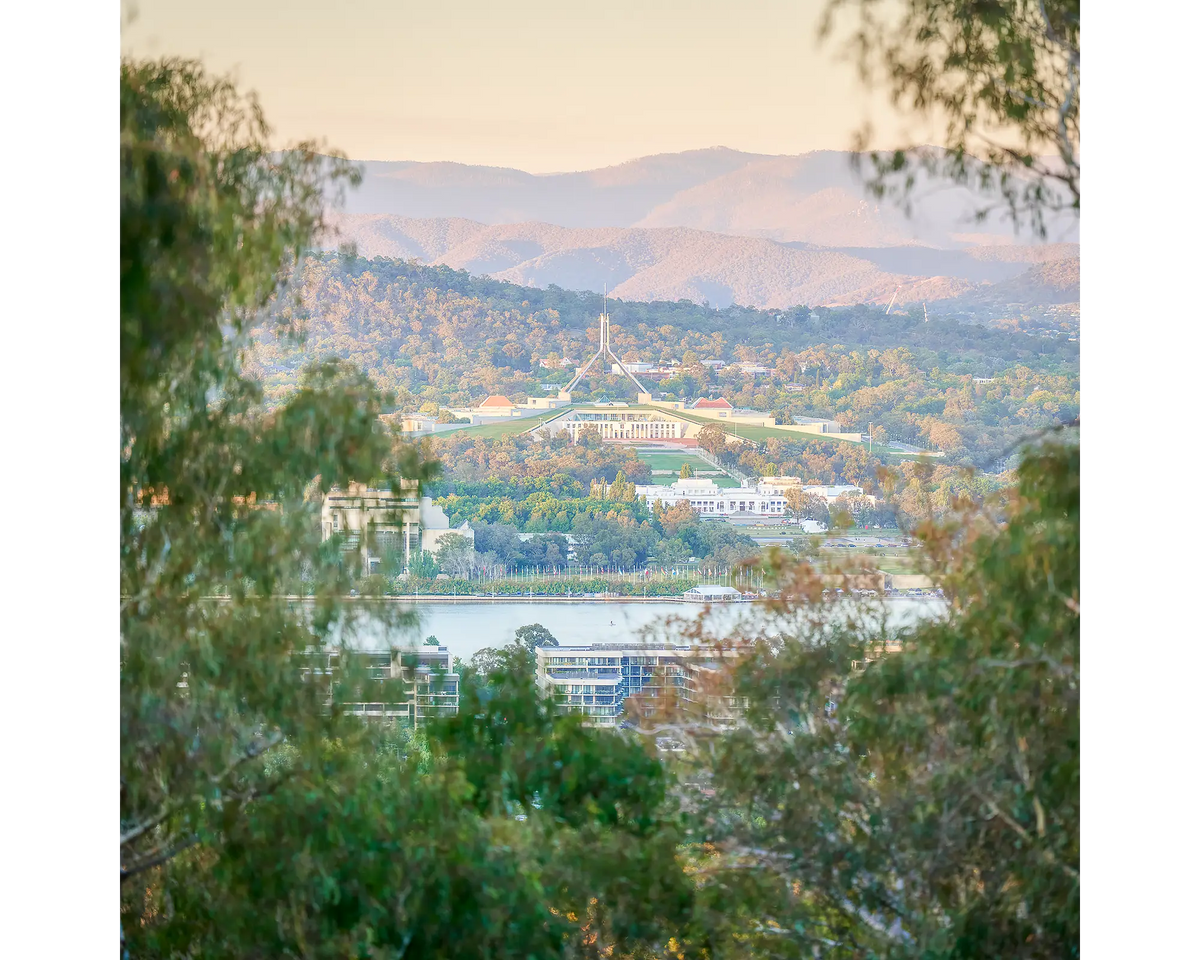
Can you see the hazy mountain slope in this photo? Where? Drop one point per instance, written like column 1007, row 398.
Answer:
column 991, row 264
column 1052, row 282
column 636, row 264
column 1016, row 253
column 612, row 196
column 400, row 237
column 682, row 264
column 815, row 198
column 818, row 198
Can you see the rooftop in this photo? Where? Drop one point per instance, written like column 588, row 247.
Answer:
column 634, row 646
column 496, row 400
column 706, row 590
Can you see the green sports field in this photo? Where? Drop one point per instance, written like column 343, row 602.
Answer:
column 675, row 461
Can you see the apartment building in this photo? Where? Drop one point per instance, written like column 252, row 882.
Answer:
column 402, row 686
column 599, row 679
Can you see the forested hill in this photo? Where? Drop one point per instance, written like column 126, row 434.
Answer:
column 434, row 335
column 329, row 278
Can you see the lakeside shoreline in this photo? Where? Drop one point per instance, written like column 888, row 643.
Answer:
column 500, row 598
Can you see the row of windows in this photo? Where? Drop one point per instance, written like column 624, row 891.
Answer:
column 737, row 506
column 635, row 430
column 599, row 417
column 582, row 662
column 601, row 711
column 629, row 665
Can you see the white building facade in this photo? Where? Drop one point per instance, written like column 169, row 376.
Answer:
column 595, row 680
column 379, row 521
column 706, row 498
column 620, row 423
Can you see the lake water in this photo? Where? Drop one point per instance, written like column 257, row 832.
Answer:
column 467, row 627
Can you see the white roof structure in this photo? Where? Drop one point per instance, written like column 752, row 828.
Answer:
column 708, row 592
column 833, row 491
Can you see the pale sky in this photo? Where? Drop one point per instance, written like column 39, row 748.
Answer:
column 541, row 85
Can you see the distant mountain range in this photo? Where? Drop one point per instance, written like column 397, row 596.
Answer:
column 684, row 264
column 813, row 198
column 716, row 226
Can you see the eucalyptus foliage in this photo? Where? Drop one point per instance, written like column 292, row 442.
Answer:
column 1001, row 78
column 219, row 499
column 920, row 801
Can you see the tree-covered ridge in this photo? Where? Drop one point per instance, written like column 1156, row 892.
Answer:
column 435, row 335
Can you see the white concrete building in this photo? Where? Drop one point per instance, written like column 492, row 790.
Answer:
column 651, row 419
column 757, row 369
column 378, row 521
column 829, row 492
column 418, row 423
column 706, row 498
column 618, row 421
column 768, row 498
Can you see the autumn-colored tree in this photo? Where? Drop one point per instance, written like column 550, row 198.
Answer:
column 711, row 438
column 677, row 517
column 944, row 437
column 921, row 800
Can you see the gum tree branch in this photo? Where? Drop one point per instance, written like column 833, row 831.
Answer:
column 1025, row 835
column 251, row 752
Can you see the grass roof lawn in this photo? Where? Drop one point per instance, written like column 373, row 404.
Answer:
column 672, row 461
column 758, row 434
column 520, row 425
column 505, row 428
column 755, row 433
